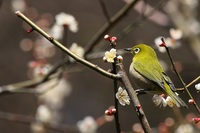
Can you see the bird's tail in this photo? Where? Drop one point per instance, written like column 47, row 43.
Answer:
column 177, row 100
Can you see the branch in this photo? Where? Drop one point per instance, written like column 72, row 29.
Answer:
column 29, row 120
column 107, row 26
column 134, row 99
column 64, row 49
column 33, row 83
column 121, row 74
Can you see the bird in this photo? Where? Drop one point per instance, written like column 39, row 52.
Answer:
column 149, row 76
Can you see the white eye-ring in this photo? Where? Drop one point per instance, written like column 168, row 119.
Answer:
column 136, row 50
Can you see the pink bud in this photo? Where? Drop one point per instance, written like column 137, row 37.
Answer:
column 113, row 39
column 30, row 30
column 162, row 45
column 196, row 120
column 138, row 106
column 110, row 112
column 162, row 95
column 191, row 101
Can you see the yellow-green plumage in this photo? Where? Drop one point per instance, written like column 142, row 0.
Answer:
column 148, row 74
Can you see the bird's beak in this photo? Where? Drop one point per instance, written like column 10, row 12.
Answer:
column 128, row 49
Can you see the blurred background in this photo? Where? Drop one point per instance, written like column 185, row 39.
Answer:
column 81, row 93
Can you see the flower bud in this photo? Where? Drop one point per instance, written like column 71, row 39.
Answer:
column 196, row 119
column 110, row 112
column 191, row 101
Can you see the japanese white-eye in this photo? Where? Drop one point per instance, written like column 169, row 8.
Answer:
column 149, row 76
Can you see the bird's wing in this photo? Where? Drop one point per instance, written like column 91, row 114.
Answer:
column 169, row 82
column 152, row 71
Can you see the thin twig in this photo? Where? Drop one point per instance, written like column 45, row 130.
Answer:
column 116, row 115
column 106, row 27
column 142, row 18
column 64, row 49
column 188, row 85
column 29, row 120
column 179, row 77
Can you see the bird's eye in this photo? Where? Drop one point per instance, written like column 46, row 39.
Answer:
column 136, row 50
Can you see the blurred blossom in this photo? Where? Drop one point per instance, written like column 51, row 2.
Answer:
column 185, row 128
column 87, row 125
column 78, row 50
column 37, row 127
column 63, row 19
column 157, row 42
column 159, row 101
column 43, row 114
column 178, row 66
column 56, row 32
column 197, row 86
column 109, row 118
column 56, row 91
column 164, row 65
column 40, row 70
column 170, row 42
column 137, row 128
column 122, row 96
column 176, row 33
column 32, row 13
column 43, row 49
column 163, row 128
column 169, row 122
column 191, row 3
column 194, row 26
column 26, row 44
column 110, row 55
column 18, row 5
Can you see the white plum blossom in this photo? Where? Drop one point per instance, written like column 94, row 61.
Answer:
column 185, row 128
column 157, row 42
column 78, row 50
column 122, row 96
column 37, row 127
column 43, row 114
column 55, row 92
column 170, row 42
column 191, row 3
column 197, row 86
column 41, row 70
column 170, row 101
column 68, row 20
column 57, row 31
column 159, row 101
column 110, row 55
column 63, row 19
column 87, row 125
column 176, row 33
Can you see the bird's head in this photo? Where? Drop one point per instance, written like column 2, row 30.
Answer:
column 141, row 50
